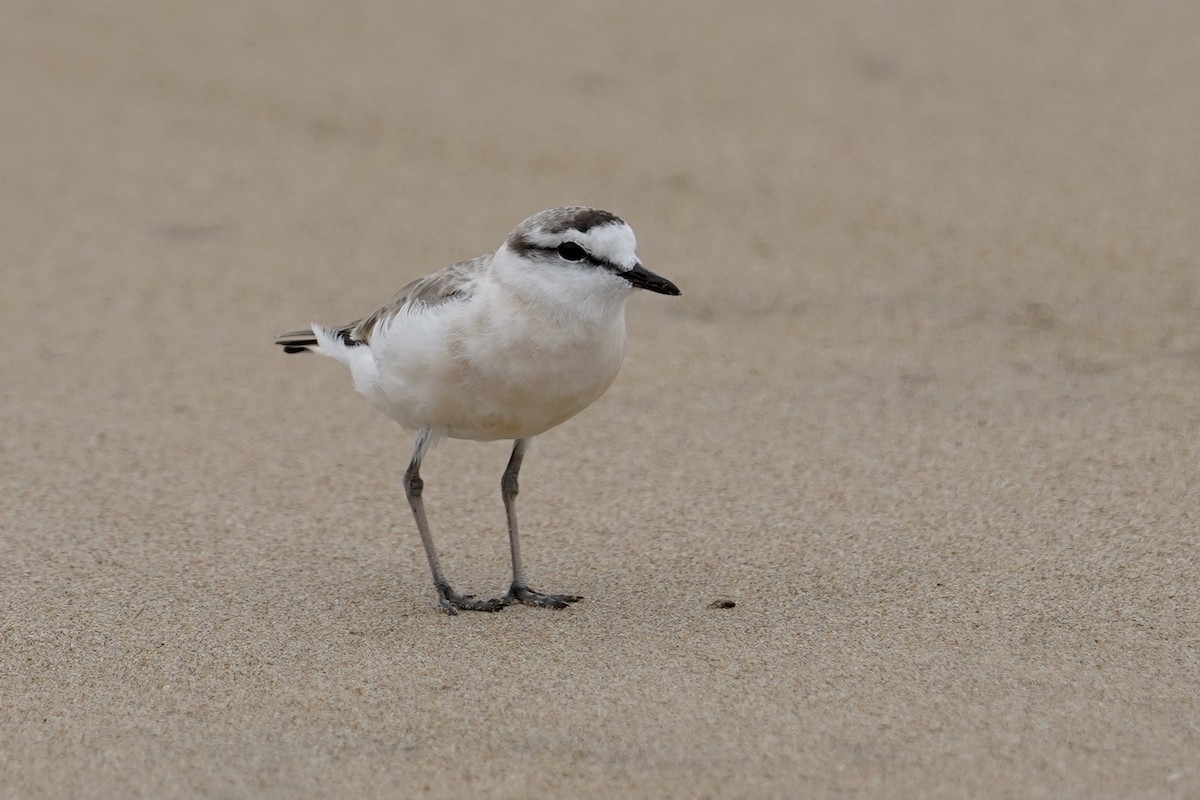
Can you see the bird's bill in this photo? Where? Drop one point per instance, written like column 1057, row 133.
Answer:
column 643, row 278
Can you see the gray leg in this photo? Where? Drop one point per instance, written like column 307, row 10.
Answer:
column 450, row 600
column 520, row 592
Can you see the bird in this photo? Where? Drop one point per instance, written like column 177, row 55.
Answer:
column 503, row 346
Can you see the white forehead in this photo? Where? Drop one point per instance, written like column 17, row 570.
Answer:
column 613, row 242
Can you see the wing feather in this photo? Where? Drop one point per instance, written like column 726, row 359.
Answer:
column 451, row 284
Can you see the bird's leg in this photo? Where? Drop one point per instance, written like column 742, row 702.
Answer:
column 450, row 600
column 519, row 592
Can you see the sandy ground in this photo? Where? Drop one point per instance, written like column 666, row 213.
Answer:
column 928, row 410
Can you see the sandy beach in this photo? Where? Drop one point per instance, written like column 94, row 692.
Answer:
column 927, row 412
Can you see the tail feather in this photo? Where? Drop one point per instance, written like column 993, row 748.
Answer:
column 297, row 341
column 320, row 339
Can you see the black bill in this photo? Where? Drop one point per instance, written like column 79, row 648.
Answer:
column 643, row 278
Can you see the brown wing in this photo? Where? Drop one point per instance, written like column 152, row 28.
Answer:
column 449, row 284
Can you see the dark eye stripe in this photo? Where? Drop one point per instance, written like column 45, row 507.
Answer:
column 523, row 247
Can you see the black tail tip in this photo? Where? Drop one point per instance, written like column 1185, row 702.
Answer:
column 296, row 348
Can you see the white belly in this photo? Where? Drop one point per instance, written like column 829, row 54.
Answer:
column 496, row 376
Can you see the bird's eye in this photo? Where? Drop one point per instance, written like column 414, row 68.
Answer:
column 571, row 251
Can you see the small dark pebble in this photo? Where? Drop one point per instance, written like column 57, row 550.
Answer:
column 722, row 604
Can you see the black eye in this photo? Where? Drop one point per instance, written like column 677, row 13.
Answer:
column 571, row 251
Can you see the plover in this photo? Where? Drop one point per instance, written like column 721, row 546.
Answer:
column 503, row 346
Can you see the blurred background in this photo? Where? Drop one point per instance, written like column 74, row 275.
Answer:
column 926, row 411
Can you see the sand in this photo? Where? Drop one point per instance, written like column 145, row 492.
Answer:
column 927, row 411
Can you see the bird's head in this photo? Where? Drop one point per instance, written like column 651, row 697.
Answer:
column 580, row 249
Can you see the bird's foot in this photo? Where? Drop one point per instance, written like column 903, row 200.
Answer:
column 532, row 597
column 451, row 601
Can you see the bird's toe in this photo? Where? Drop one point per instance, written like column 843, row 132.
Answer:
column 532, row 597
column 451, row 601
